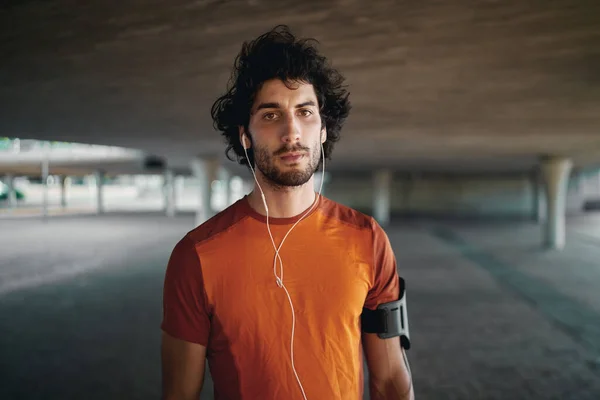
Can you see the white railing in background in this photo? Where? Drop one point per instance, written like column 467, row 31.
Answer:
column 19, row 151
column 28, row 146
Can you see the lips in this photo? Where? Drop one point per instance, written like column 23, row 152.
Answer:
column 292, row 156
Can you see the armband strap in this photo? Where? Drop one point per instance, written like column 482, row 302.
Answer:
column 389, row 319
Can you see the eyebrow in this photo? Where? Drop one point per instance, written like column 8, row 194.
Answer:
column 276, row 105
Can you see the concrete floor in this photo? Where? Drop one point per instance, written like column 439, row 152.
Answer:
column 492, row 316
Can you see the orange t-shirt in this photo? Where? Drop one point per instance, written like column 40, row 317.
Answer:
column 221, row 292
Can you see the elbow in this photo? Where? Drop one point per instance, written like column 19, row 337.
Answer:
column 395, row 386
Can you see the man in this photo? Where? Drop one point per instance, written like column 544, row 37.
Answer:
column 272, row 289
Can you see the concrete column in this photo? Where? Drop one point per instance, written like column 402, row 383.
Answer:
column 12, row 194
column 542, row 203
column 90, row 181
column 555, row 171
column 205, row 170
column 538, row 198
column 236, row 186
column 65, row 183
column 320, row 177
column 45, row 173
column 169, row 192
column 382, row 182
column 179, row 187
column 99, row 175
column 225, row 177
column 248, row 185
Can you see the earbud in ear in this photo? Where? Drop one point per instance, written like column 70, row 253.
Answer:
column 245, row 143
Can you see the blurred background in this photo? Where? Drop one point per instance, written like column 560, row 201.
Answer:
column 474, row 140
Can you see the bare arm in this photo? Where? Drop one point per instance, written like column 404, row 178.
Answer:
column 389, row 376
column 182, row 368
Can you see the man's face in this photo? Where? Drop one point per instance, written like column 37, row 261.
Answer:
column 285, row 127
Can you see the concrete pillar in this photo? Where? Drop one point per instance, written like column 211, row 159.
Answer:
column 321, row 178
column 248, row 185
column 538, row 198
column 99, row 175
column 205, row 170
column 236, row 187
column 382, row 182
column 179, row 187
column 45, row 173
column 12, row 194
column 65, row 183
column 542, row 203
column 555, row 171
column 225, row 178
column 90, row 181
column 169, row 192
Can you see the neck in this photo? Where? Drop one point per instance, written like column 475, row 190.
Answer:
column 283, row 202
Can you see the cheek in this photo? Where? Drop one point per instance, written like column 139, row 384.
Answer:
column 312, row 130
column 316, row 123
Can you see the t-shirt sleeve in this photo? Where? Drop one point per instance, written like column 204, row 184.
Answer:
column 185, row 308
column 386, row 284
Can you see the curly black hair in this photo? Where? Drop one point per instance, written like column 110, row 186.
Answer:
column 278, row 54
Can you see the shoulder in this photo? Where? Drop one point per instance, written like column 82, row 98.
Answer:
column 185, row 252
column 216, row 226
column 361, row 225
column 345, row 215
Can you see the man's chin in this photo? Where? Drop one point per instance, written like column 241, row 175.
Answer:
column 291, row 178
column 288, row 175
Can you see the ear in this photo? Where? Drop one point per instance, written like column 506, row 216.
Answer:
column 244, row 139
column 323, row 135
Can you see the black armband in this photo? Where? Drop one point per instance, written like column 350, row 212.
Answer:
column 388, row 320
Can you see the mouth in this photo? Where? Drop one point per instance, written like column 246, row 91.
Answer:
column 292, row 157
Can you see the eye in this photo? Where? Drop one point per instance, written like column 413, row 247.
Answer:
column 269, row 116
column 306, row 113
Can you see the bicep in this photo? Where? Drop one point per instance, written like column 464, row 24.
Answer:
column 182, row 368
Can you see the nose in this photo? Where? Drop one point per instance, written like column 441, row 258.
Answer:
column 291, row 130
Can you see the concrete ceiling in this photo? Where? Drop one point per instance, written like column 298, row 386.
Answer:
column 484, row 85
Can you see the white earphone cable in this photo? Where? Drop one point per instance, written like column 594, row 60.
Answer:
column 279, row 278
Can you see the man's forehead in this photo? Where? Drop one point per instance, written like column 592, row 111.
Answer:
column 285, row 94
